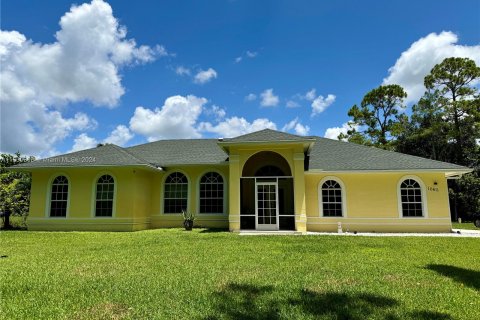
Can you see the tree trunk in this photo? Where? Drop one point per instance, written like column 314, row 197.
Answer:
column 6, row 221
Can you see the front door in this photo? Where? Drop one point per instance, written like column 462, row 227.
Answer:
column 266, row 206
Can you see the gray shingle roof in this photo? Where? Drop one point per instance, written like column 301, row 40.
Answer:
column 106, row 155
column 184, row 151
column 267, row 135
column 325, row 155
column 334, row 155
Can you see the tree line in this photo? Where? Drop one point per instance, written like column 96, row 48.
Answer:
column 443, row 125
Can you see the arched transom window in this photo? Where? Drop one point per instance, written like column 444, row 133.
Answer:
column 175, row 198
column 211, row 193
column 104, row 196
column 411, row 198
column 59, row 197
column 332, row 199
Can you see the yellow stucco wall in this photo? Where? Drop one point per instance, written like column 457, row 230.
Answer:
column 137, row 201
column 372, row 203
column 371, row 198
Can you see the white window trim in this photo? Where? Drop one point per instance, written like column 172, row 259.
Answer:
column 320, row 198
column 49, row 195
column 424, row 197
column 224, row 193
column 94, row 195
column 162, row 191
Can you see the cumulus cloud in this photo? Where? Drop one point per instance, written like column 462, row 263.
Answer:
column 292, row 104
column 417, row 61
column 320, row 104
column 204, row 76
column 82, row 142
column 269, row 99
column 175, row 119
column 297, row 127
column 83, row 64
column 182, row 71
column 236, row 126
column 251, row 97
column 218, row 112
column 311, row 95
column 119, row 136
column 333, row 133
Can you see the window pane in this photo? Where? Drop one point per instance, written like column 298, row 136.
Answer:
column 411, row 198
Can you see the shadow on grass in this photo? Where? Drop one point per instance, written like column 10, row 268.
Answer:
column 467, row 277
column 214, row 230
column 252, row 302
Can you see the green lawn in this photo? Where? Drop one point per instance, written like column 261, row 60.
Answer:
column 464, row 225
column 173, row 274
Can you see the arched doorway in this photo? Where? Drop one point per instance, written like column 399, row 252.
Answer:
column 266, row 193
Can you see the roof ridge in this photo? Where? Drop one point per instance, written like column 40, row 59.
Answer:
column 164, row 140
column 387, row 151
column 128, row 153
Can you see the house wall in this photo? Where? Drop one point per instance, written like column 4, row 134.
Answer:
column 137, row 201
column 372, row 204
column 129, row 213
column 159, row 219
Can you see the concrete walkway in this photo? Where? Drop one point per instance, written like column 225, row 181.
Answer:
column 456, row 233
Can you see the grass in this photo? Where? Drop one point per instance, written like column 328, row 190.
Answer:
column 464, row 225
column 174, row 274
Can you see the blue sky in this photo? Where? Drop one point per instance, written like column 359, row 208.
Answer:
column 210, row 68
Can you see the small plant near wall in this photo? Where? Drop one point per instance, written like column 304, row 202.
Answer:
column 188, row 218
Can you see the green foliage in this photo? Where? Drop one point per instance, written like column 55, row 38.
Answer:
column 14, row 186
column 172, row 274
column 378, row 117
column 188, row 215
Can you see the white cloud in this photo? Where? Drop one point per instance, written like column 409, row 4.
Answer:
column 333, row 133
column 175, row 119
column 299, row 128
column 311, row 95
column 248, row 54
column 82, row 142
column 182, row 71
column 216, row 111
column 320, row 104
column 119, row 136
column 292, row 104
column 204, row 76
column 251, row 97
column 83, row 64
column 417, row 61
column 269, row 99
column 236, row 126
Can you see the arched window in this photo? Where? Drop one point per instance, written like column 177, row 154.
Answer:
column 211, row 193
column 332, row 199
column 411, row 198
column 175, row 198
column 59, row 197
column 104, row 196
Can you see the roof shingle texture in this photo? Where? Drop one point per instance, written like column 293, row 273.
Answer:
column 267, row 135
column 326, row 155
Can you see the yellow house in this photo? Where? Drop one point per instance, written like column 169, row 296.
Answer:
column 265, row 180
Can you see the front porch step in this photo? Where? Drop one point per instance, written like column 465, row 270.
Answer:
column 269, row 233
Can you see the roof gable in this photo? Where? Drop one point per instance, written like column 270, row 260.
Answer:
column 267, row 135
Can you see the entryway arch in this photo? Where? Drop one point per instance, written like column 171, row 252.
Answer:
column 266, row 193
